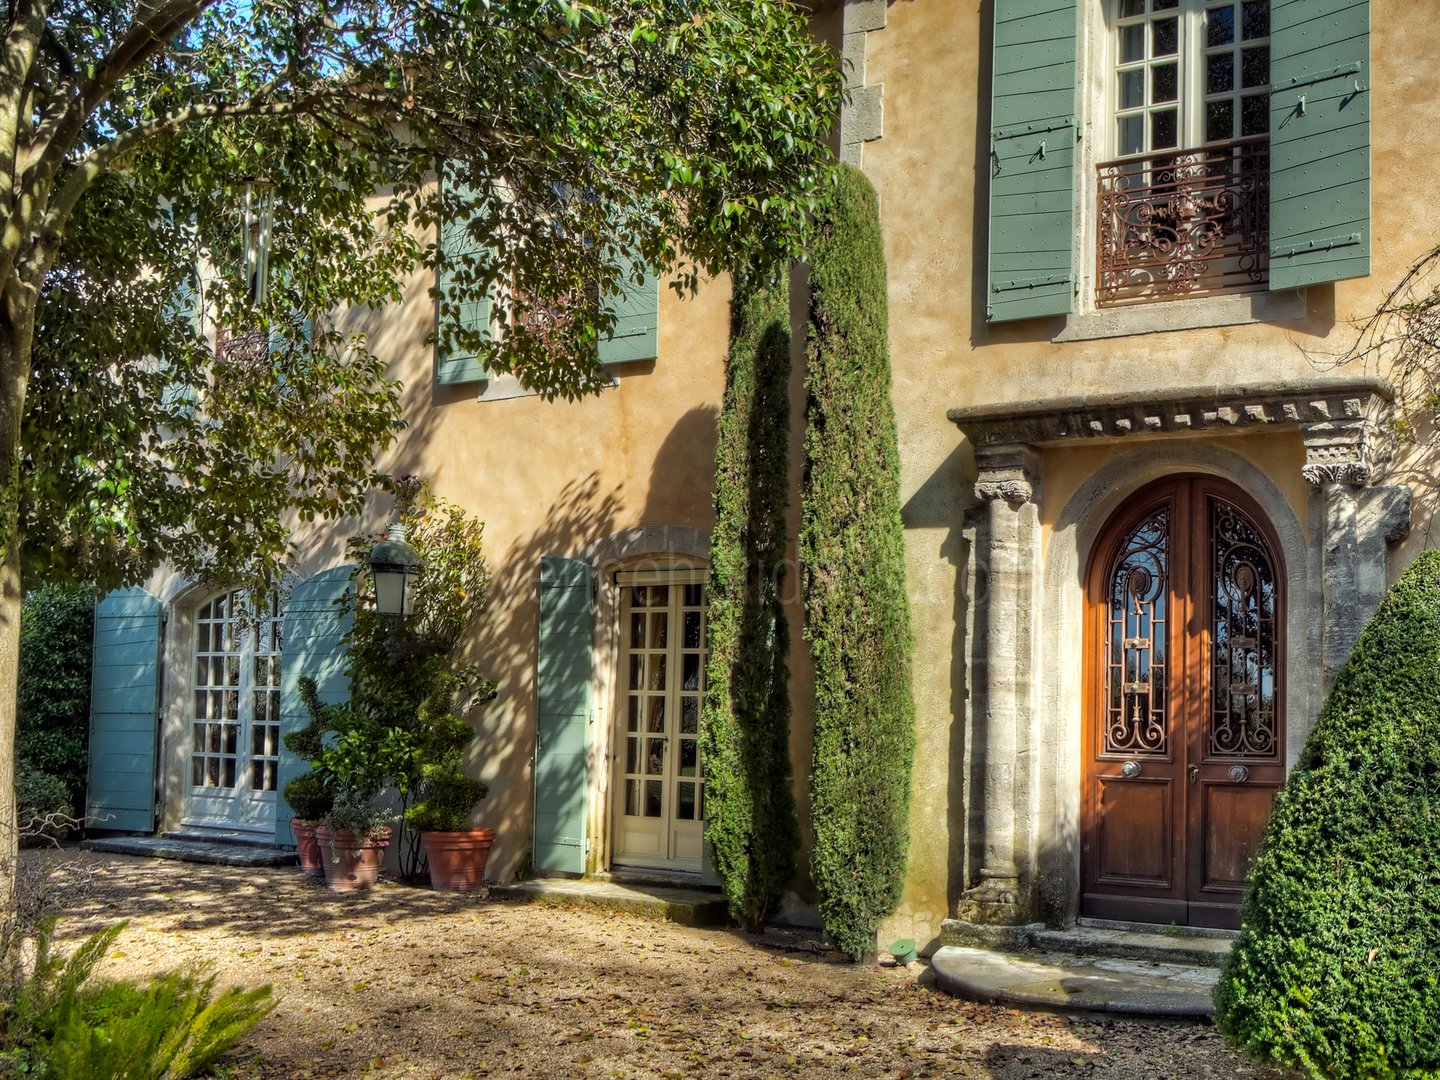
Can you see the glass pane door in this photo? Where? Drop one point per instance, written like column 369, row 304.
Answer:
column 661, row 800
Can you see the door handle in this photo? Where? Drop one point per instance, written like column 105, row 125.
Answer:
column 1194, row 773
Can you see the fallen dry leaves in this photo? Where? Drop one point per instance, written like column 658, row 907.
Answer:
column 406, row 983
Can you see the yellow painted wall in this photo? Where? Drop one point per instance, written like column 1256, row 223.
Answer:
column 931, row 171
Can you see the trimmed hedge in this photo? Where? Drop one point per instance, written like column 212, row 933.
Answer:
column 53, row 696
column 745, row 727
column 852, row 554
column 1337, row 969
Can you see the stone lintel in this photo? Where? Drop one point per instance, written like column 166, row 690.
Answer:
column 1363, row 399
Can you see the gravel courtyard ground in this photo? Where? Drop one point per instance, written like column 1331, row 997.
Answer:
column 409, row 983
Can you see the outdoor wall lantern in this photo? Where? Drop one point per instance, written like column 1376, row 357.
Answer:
column 395, row 565
column 256, row 226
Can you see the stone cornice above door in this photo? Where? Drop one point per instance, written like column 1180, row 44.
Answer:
column 1345, row 423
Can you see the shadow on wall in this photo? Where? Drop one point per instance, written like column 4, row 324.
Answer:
column 940, row 505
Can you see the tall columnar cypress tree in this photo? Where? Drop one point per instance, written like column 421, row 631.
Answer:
column 852, row 555
column 745, row 733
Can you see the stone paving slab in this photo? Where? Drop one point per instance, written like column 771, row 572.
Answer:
column 197, row 851
column 689, row 907
column 1076, row 983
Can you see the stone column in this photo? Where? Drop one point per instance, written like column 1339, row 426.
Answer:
column 1359, row 522
column 1007, row 558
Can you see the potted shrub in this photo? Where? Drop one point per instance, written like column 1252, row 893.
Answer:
column 310, row 798
column 455, row 852
column 352, row 839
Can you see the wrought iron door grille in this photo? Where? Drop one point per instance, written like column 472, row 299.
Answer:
column 1184, row 223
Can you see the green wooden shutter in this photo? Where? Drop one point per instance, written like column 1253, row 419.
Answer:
column 310, row 645
column 1032, row 160
column 124, row 712
column 1319, row 152
column 637, row 322
column 562, row 681
column 451, row 366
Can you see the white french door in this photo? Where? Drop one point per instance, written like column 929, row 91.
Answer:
column 660, row 792
column 234, row 716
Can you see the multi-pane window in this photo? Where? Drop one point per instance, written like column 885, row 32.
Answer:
column 1188, row 73
column 235, row 723
column 665, row 682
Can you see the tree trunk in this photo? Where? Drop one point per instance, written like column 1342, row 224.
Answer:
column 17, row 334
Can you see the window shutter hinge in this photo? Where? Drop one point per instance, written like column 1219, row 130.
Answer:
column 1037, row 282
column 1329, row 243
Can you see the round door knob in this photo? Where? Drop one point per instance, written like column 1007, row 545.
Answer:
column 1239, row 774
column 1130, row 770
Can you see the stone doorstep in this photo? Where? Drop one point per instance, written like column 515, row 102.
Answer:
column 689, row 907
column 1122, row 941
column 222, row 853
column 1071, row 983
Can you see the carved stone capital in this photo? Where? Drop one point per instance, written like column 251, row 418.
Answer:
column 1349, row 449
column 1008, row 473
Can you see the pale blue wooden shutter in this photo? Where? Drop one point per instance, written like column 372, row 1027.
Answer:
column 1319, row 151
column 1032, row 160
column 124, row 712
column 311, row 645
column 637, row 322
column 453, row 366
column 562, row 682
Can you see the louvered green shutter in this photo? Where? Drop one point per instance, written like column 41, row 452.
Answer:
column 450, row 366
column 1319, row 151
column 310, row 645
column 124, row 712
column 1032, row 160
column 562, row 682
column 637, row 322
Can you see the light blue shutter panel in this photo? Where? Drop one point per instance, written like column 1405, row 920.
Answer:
column 1319, row 152
column 124, row 712
column 637, row 322
column 562, row 681
column 459, row 367
column 1032, row 160
column 310, row 644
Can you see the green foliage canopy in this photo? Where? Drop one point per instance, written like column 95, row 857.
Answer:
column 852, row 556
column 745, row 727
column 586, row 134
column 1337, row 968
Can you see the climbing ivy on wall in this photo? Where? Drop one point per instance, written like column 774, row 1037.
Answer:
column 852, row 554
column 745, row 730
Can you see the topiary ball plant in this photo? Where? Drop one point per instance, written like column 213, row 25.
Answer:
column 309, row 796
column 1337, row 969
column 446, row 798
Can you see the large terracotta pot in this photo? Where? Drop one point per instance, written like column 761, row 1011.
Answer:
column 307, row 849
column 457, row 859
column 350, row 864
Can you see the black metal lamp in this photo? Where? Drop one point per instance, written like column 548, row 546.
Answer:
column 395, row 565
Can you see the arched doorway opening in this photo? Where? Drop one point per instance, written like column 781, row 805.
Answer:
column 1183, row 723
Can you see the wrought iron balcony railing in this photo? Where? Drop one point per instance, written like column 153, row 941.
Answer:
column 1184, row 223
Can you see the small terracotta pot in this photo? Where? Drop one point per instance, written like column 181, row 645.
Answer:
column 457, row 859
column 351, row 865
column 307, row 849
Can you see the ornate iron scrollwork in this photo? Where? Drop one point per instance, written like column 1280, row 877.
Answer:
column 1184, row 222
column 1138, row 616
column 1243, row 713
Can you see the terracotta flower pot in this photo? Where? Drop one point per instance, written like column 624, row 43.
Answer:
column 457, row 859
column 350, row 864
column 307, row 849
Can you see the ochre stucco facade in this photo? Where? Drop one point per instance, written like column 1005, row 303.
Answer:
column 625, row 478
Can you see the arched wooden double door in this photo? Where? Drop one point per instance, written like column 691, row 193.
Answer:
column 1184, row 733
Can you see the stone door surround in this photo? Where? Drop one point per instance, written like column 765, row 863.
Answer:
column 1024, row 635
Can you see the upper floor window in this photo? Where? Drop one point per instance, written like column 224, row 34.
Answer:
column 1183, row 208
column 1189, row 73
